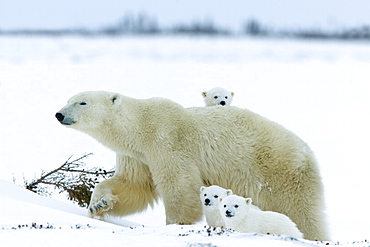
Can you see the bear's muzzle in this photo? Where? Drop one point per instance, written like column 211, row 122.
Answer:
column 63, row 120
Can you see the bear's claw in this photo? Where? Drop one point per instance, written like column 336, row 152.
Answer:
column 99, row 207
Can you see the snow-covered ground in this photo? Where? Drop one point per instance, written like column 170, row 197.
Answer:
column 319, row 90
column 31, row 220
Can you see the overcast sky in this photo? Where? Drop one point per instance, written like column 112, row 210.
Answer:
column 50, row 14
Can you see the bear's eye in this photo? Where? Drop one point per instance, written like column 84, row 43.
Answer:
column 216, row 97
column 216, row 196
column 205, row 194
column 82, row 103
column 225, row 97
column 224, row 206
column 236, row 206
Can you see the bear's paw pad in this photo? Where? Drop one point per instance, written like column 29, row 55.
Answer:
column 101, row 206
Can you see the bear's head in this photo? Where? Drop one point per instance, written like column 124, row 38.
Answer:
column 88, row 110
column 234, row 206
column 218, row 96
column 210, row 196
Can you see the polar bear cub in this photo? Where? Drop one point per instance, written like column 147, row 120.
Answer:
column 209, row 197
column 218, row 96
column 239, row 215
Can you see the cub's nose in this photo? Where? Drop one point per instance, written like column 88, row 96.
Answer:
column 59, row 116
column 228, row 213
column 207, row 201
column 222, row 103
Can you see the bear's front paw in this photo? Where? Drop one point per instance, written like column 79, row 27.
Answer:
column 99, row 207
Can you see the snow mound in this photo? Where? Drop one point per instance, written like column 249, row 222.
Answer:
column 32, row 220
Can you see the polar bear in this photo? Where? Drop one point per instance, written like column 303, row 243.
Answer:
column 209, row 197
column 168, row 151
column 218, row 96
column 239, row 215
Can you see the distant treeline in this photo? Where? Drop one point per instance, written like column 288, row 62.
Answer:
column 145, row 25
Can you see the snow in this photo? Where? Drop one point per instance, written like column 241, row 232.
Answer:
column 319, row 90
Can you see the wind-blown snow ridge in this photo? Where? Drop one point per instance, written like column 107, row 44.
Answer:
column 27, row 218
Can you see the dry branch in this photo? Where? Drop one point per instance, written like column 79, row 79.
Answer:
column 70, row 178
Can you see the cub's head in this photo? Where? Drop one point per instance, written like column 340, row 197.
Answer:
column 234, row 206
column 88, row 110
column 218, row 96
column 210, row 196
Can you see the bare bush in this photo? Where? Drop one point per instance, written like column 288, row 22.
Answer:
column 72, row 178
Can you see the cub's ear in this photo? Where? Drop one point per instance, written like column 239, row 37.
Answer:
column 115, row 99
column 232, row 94
column 204, row 94
column 229, row 192
column 202, row 188
column 248, row 201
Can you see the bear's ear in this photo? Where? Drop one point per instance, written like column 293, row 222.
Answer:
column 229, row 192
column 248, row 201
column 115, row 99
column 232, row 94
column 202, row 188
column 204, row 94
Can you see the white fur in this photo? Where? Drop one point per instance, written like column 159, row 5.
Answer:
column 218, row 96
column 168, row 151
column 209, row 197
column 239, row 215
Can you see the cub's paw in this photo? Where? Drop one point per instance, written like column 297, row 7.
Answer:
column 99, row 207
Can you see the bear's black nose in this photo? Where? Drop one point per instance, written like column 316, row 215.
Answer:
column 59, row 116
column 207, row 201
column 222, row 103
column 228, row 213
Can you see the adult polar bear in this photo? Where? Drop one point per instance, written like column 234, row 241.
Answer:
column 169, row 151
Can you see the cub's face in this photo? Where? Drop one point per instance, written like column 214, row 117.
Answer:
column 223, row 99
column 218, row 96
column 234, row 206
column 87, row 110
column 210, row 196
